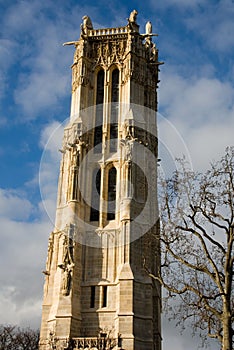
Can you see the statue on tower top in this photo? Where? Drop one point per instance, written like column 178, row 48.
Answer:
column 148, row 28
column 133, row 16
column 132, row 21
column 86, row 25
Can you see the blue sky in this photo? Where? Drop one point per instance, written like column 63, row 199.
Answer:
column 196, row 95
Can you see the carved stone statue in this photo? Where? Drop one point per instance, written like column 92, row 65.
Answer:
column 67, row 264
column 79, row 145
column 148, row 28
column 67, row 279
column 52, row 339
column 50, row 252
column 127, row 144
column 86, row 25
column 133, row 16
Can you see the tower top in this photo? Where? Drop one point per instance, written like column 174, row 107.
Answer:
column 87, row 30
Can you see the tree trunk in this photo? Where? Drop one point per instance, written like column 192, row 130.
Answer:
column 227, row 331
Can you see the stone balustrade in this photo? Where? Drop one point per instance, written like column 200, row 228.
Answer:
column 84, row 343
column 95, row 343
column 108, row 31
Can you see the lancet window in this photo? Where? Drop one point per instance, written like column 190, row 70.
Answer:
column 99, row 112
column 111, row 194
column 95, row 195
column 104, row 296
column 114, row 110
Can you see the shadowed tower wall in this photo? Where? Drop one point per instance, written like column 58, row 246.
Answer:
column 97, row 294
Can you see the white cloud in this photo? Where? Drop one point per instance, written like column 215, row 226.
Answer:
column 197, row 100
column 22, row 16
column 14, row 205
column 51, row 142
column 24, row 244
column 47, row 81
column 51, row 137
column 202, row 111
column 43, row 79
column 215, row 24
column 171, row 146
column 23, row 255
column 25, row 313
column 173, row 339
column 39, row 91
column 208, row 143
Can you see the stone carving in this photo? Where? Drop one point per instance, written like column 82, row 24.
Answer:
column 132, row 25
column 52, row 339
column 152, row 50
column 76, row 149
column 110, row 233
column 49, row 254
column 148, row 28
column 127, row 149
column 67, row 264
column 101, row 342
column 80, row 73
column 107, row 52
column 76, row 159
column 48, row 262
column 133, row 16
column 56, row 343
column 72, row 136
column 127, row 144
column 80, row 46
column 129, row 131
column 86, row 25
column 66, row 285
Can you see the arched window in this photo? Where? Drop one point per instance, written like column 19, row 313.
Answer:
column 104, row 296
column 99, row 112
column 115, row 86
column 75, row 186
column 111, row 194
column 114, row 110
column 95, row 196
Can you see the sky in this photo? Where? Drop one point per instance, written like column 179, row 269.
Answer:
column 196, row 113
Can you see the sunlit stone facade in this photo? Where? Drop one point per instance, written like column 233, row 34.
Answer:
column 97, row 294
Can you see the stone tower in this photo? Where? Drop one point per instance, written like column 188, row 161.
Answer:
column 97, row 294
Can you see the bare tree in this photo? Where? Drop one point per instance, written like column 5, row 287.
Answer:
column 197, row 234
column 6, row 337
column 12, row 337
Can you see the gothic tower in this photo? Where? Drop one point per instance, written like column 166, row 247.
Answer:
column 97, row 294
